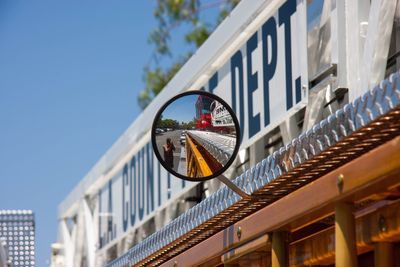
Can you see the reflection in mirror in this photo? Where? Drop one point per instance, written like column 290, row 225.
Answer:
column 195, row 136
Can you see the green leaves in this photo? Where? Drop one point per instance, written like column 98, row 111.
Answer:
column 168, row 123
column 160, row 38
column 198, row 35
column 171, row 14
column 144, row 98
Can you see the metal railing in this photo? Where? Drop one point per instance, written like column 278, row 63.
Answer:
column 219, row 146
column 197, row 165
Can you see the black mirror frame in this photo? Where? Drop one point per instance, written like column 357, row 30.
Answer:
column 237, row 128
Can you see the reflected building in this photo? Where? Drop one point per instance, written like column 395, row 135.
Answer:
column 220, row 115
column 203, row 112
column 17, row 230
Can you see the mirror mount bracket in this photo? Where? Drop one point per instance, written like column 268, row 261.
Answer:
column 233, row 187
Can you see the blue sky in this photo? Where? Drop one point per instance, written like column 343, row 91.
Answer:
column 182, row 109
column 70, row 73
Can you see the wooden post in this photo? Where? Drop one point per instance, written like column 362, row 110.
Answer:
column 384, row 254
column 279, row 253
column 345, row 236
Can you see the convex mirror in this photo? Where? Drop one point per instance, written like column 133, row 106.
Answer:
column 196, row 136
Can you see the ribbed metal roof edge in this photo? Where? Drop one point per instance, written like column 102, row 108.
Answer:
column 353, row 116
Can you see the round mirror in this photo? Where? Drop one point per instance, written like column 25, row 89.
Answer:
column 196, row 136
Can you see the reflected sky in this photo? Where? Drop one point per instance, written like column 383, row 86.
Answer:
column 182, row 109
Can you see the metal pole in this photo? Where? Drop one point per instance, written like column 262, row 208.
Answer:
column 384, row 254
column 345, row 236
column 232, row 186
column 279, row 255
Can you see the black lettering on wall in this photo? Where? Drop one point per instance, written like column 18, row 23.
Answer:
column 269, row 62
column 252, row 85
column 285, row 13
column 237, row 67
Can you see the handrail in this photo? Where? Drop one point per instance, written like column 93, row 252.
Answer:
column 196, row 164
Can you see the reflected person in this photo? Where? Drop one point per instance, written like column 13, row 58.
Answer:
column 169, row 149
